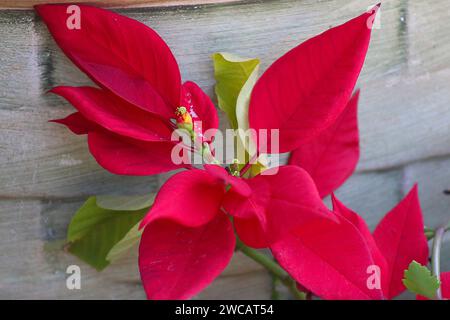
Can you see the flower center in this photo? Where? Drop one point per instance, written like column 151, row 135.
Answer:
column 182, row 116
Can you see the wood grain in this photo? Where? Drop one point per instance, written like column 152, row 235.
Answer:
column 28, row 4
column 46, row 172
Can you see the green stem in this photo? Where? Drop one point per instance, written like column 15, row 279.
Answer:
column 436, row 257
column 273, row 267
column 275, row 293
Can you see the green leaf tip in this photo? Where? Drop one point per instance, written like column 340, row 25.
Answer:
column 231, row 73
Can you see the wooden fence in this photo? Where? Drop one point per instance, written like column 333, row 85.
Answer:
column 46, row 172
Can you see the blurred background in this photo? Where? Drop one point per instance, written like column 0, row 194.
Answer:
column 46, row 173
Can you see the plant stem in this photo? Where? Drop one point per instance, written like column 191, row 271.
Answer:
column 436, row 257
column 273, row 267
column 275, row 293
column 430, row 233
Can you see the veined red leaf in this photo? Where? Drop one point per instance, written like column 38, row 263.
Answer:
column 379, row 260
column 177, row 262
column 332, row 156
column 278, row 203
column 126, row 156
column 200, row 108
column 401, row 239
column 182, row 199
column 120, row 54
column 76, row 123
column 114, row 114
column 330, row 259
column 305, row 91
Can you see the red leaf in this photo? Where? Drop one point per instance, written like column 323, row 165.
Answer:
column 114, row 114
column 76, row 123
column 305, row 91
column 238, row 185
column 331, row 157
column 182, row 199
column 200, row 107
column 361, row 225
column 445, row 285
column 328, row 258
column 278, row 203
column 126, row 156
column 177, row 262
column 120, row 54
column 401, row 239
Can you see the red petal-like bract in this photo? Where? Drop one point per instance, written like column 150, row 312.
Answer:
column 128, row 120
column 116, row 115
column 278, row 203
column 200, row 108
column 126, row 156
column 330, row 259
column 445, row 286
column 361, row 225
column 177, row 262
column 305, row 91
column 76, row 123
column 119, row 54
column 237, row 185
column 191, row 198
column 401, row 239
column 331, row 157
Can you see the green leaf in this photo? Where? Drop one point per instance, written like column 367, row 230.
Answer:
column 419, row 280
column 129, row 203
column 231, row 73
column 125, row 244
column 94, row 231
column 242, row 104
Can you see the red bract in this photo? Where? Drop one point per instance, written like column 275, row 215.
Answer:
column 331, row 157
column 305, row 91
column 332, row 260
column 277, row 204
column 188, row 240
column 186, row 231
column 129, row 120
column 401, row 239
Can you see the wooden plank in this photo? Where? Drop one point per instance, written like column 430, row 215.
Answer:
column 28, row 4
column 433, row 177
column 404, row 119
column 429, row 39
column 45, row 160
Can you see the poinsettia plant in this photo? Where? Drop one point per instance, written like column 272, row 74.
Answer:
column 141, row 119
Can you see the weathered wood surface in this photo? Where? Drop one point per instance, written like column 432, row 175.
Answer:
column 45, row 172
column 28, row 4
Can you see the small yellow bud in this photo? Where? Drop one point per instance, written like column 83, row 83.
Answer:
column 184, row 119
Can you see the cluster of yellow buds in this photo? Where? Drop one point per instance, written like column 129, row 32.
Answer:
column 184, row 119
